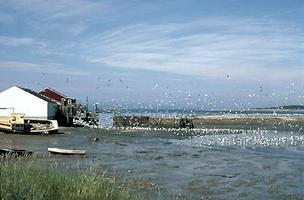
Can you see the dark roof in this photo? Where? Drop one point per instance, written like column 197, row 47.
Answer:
column 36, row 94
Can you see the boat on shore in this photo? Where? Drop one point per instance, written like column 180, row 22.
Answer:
column 67, row 151
column 14, row 152
column 16, row 123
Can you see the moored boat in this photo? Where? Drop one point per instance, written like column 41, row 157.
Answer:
column 35, row 126
column 67, row 151
column 16, row 123
column 13, row 123
column 15, row 152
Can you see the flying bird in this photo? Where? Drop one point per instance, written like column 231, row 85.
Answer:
column 155, row 86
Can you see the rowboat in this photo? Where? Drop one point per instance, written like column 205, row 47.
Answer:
column 67, row 151
column 15, row 152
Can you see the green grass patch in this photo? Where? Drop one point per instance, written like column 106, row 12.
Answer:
column 19, row 179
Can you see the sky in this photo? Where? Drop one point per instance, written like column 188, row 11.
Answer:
column 200, row 54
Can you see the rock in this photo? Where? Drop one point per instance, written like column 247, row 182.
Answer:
column 120, row 144
column 158, row 158
column 95, row 139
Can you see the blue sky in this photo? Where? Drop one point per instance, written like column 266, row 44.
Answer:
column 184, row 53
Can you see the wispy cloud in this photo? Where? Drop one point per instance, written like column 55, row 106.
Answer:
column 56, row 9
column 15, row 42
column 60, row 18
column 285, row 12
column 52, row 68
column 19, row 66
column 244, row 48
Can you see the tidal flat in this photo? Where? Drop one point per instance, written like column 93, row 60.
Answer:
column 184, row 164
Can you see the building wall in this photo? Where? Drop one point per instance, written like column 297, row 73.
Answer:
column 24, row 102
column 52, row 110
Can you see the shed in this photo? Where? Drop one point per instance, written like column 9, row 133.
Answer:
column 67, row 106
column 23, row 100
column 57, row 96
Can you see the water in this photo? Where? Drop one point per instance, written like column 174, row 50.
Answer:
column 105, row 120
column 197, row 164
column 179, row 112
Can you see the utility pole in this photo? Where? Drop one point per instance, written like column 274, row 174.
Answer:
column 87, row 104
column 96, row 107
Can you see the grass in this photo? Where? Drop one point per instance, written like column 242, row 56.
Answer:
column 19, row 179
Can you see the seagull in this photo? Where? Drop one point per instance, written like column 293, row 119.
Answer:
column 109, row 81
column 155, row 86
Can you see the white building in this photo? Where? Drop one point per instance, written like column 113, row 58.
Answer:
column 22, row 100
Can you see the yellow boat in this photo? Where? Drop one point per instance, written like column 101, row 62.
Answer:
column 15, row 123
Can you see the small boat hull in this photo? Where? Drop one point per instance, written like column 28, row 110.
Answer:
column 41, row 126
column 67, row 151
column 14, row 152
